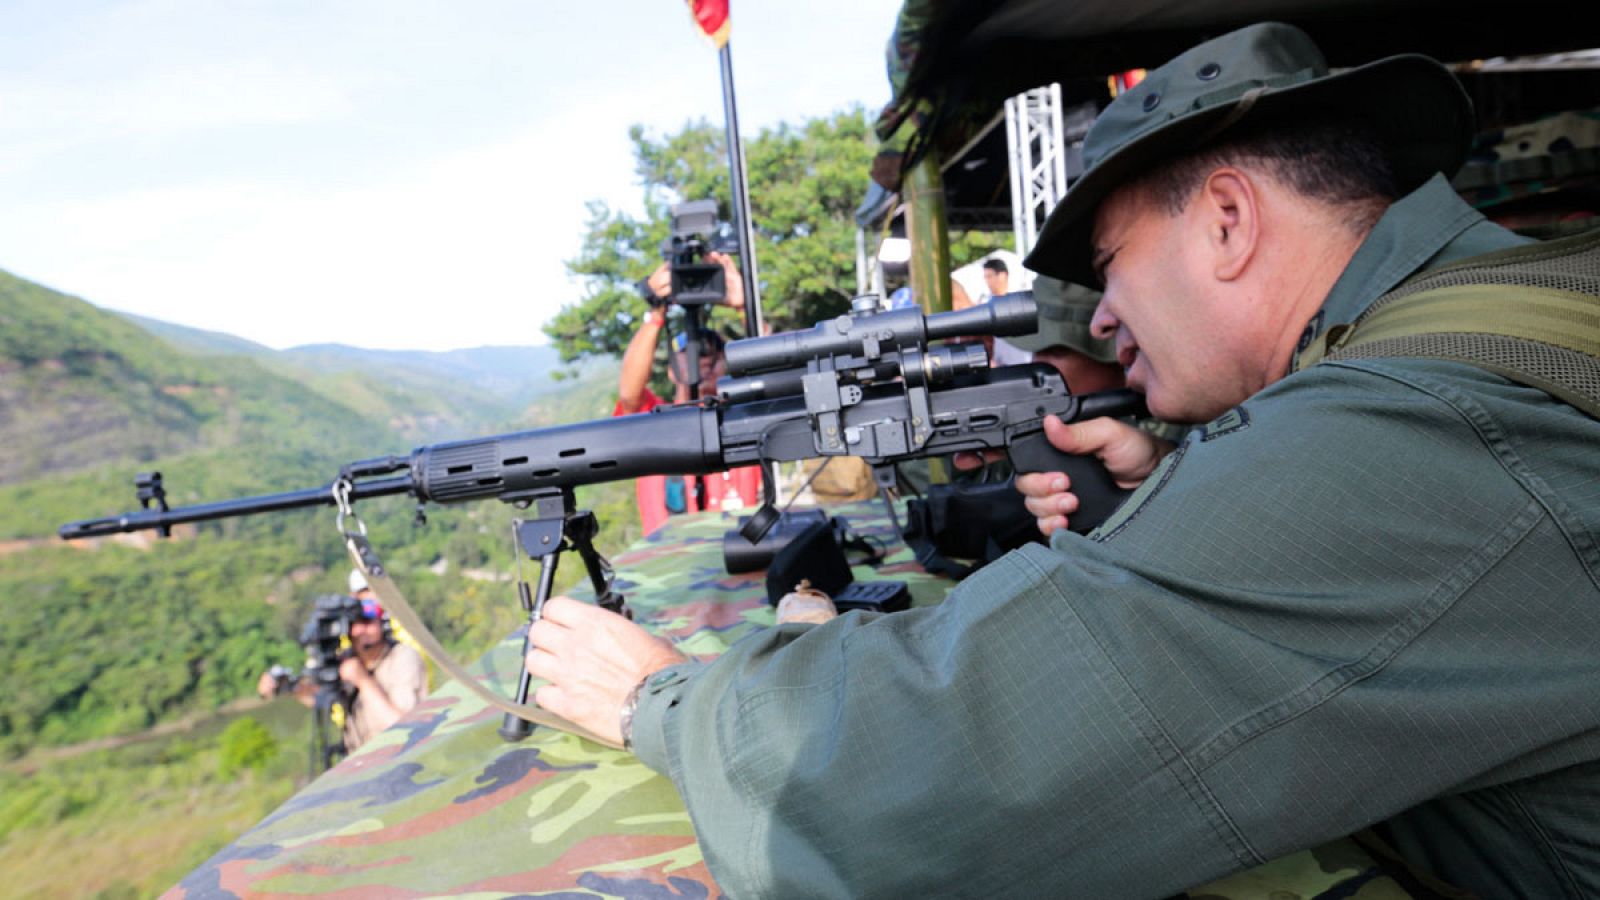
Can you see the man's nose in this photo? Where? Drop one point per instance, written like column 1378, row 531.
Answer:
column 1104, row 324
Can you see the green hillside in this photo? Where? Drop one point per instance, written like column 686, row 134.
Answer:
column 420, row 396
column 81, row 389
column 111, row 641
column 197, row 340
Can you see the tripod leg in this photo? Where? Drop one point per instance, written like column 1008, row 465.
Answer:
column 318, row 741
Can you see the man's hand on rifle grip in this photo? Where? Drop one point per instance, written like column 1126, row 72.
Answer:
column 1130, row 454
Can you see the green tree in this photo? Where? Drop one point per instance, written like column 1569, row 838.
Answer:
column 805, row 183
column 246, row 744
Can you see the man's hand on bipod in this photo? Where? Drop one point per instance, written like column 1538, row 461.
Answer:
column 1130, row 454
column 592, row 659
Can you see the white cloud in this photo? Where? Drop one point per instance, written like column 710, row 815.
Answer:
column 389, row 175
column 465, row 250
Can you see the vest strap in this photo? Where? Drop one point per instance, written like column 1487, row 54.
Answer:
column 1530, row 314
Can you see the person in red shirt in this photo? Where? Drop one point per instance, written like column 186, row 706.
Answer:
column 661, row 496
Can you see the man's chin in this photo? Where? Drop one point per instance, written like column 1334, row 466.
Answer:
column 1167, row 408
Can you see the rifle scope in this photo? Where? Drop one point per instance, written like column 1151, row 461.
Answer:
column 868, row 334
column 935, row 368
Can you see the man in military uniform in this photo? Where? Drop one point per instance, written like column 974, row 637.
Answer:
column 1364, row 594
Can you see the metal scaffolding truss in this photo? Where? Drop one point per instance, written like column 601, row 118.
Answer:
column 1044, row 143
column 1038, row 160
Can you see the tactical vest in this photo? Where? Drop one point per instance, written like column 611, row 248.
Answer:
column 1530, row 314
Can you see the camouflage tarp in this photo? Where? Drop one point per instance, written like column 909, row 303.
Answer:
column 440, row 805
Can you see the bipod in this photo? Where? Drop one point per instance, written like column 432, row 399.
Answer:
column 555, row 526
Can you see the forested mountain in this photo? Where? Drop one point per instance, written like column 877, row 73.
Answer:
column 81, row 388
column 105, row 639
column 422, row 395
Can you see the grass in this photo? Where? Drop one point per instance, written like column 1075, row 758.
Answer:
column 134, row 820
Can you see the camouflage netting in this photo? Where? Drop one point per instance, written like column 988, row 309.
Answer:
column 441, row 805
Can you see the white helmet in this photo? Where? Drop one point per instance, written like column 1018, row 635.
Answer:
column 358, row 582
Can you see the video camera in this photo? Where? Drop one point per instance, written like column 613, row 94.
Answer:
column 326, row 635
column 696, row 232
column 326, row 639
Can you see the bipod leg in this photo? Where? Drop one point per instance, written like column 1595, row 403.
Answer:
column 581, row 530
column 541, row 538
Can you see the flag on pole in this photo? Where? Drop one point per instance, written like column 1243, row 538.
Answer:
column 711, row 17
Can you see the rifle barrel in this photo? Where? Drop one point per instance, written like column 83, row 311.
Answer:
column 222, row 509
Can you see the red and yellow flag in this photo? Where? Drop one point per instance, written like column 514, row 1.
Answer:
column 711, row 17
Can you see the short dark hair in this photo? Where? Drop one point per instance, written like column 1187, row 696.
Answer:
column 1341, row 163
column 996, row 265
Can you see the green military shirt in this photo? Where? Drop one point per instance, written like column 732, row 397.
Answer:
column 1370, row 593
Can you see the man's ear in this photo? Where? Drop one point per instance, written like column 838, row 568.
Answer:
column 1231, row 211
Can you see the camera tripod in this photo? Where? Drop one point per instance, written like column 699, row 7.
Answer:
column 325, row 752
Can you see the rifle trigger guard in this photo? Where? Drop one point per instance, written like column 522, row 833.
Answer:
column 342, row 486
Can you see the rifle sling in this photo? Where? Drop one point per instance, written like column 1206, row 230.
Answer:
column 366, row 559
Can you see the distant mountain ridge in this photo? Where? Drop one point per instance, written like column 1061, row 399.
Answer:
column 81, row 387
column 195, row 340
column 491, row 383
column 87, row 396
column 514, row 374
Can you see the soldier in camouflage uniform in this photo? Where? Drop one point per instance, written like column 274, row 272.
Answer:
column 1364, row 592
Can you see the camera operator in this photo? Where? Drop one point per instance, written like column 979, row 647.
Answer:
column 379, row 681
column 660, row 496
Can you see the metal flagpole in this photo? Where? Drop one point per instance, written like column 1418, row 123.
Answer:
column 741, row 199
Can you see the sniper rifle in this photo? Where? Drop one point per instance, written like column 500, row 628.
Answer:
column 868, row 384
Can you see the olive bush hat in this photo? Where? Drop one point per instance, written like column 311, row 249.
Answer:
column 1417, row 109
column 1065, row 310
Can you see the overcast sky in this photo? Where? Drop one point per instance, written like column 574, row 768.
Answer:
column 394, row 174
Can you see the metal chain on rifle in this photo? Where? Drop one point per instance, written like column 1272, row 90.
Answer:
column 377, row 575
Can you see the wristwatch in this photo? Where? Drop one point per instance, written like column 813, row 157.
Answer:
column 629, row 705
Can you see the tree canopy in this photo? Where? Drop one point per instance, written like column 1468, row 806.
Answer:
column 805, row 183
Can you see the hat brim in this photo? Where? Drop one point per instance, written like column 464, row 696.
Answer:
column 1418, row 110
column 1035, row 342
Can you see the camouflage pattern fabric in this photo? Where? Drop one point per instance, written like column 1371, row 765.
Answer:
column 440, row 805
column 1556, row 153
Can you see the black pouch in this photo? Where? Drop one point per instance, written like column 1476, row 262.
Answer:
column 813, row 555
column 979, row 522
column 817, row 555
column 739, row 555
